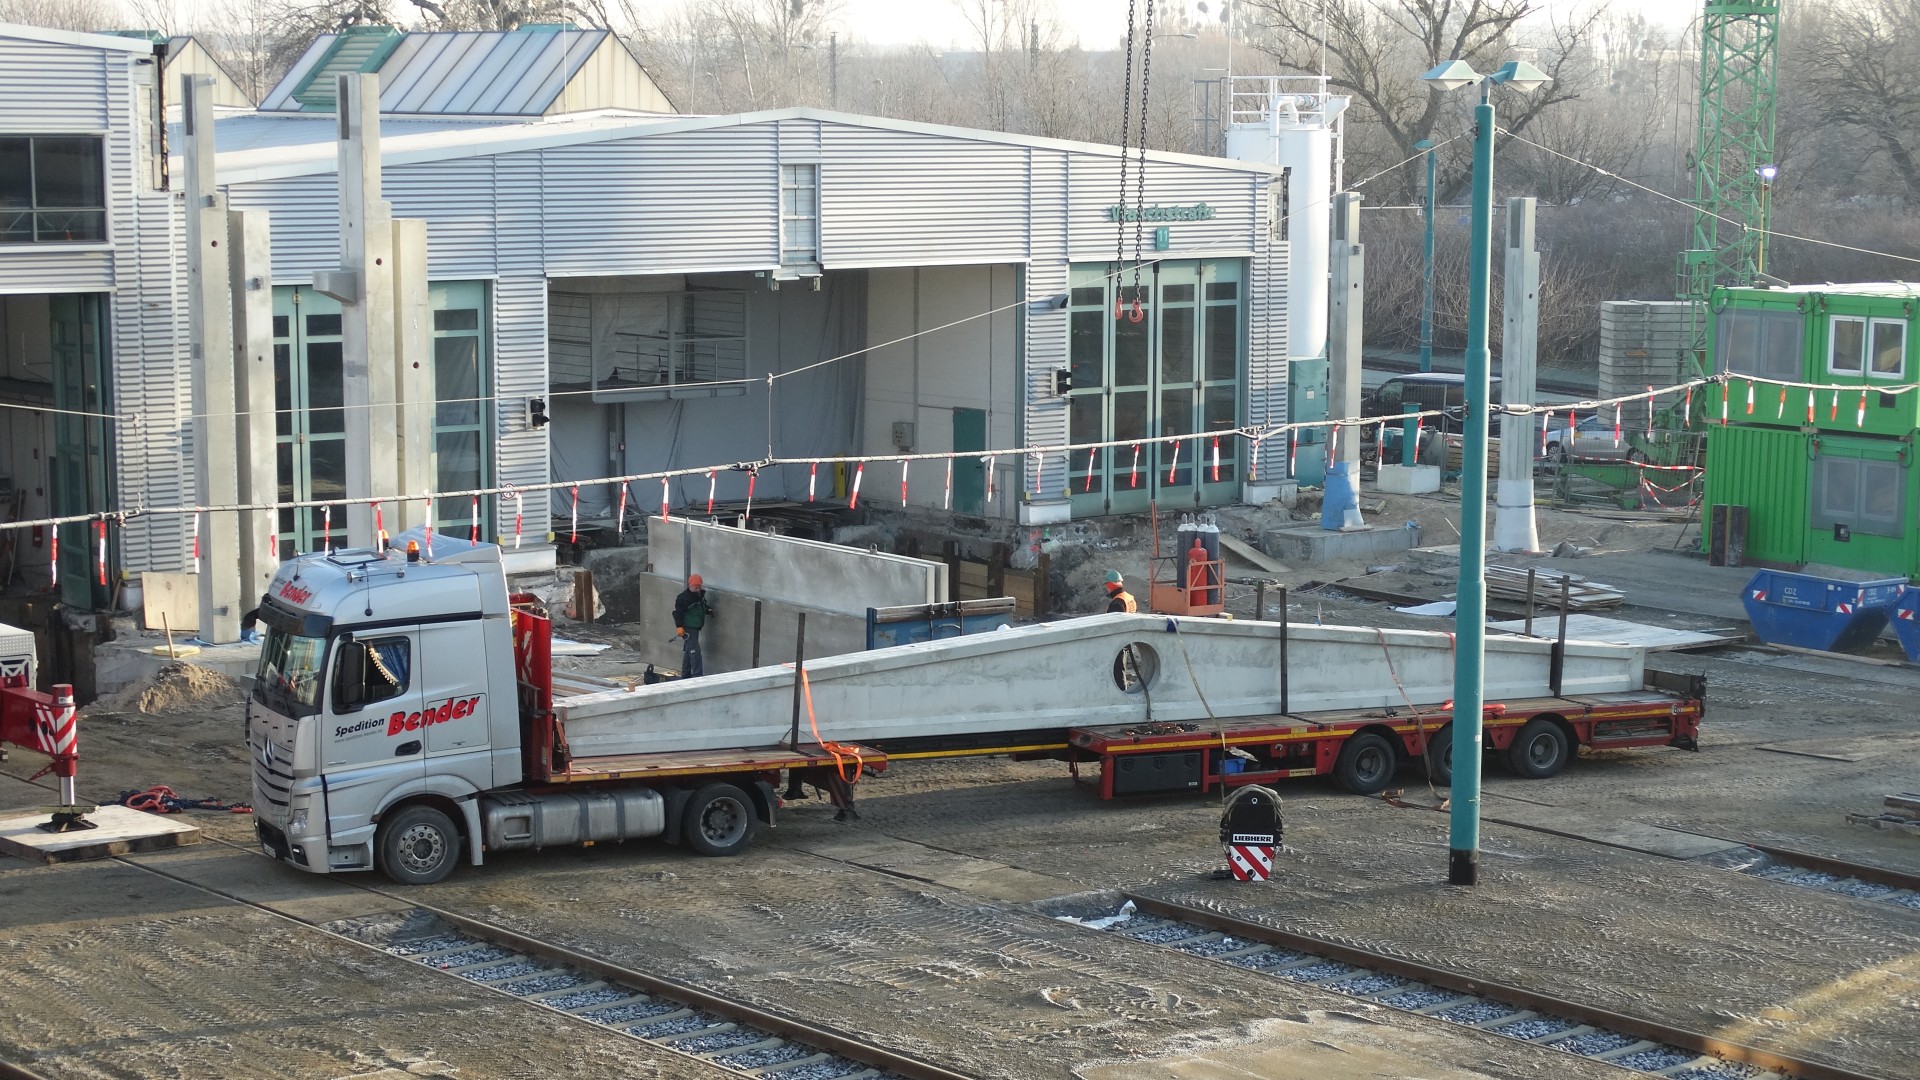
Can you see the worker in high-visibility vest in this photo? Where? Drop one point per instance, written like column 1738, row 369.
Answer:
column 1118, row 598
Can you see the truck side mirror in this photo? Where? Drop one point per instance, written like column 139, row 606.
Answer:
column 350, row 677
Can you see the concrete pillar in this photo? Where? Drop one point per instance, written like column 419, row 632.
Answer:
column 1340, row 509
column 249, row 266
column 413, row 372
column 364, row 287
column 1514, row 527
column 210, row 360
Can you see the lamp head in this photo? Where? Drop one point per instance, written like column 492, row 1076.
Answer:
column 1423, row 144
column 1767, row 173
column 1452, row 75
column 1520, row 75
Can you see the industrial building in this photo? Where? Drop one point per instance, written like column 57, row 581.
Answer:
column 678, row 291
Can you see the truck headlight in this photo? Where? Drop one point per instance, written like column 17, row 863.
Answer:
column 297, row 823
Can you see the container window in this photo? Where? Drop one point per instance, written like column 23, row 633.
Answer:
column 1866, row 495
column 53, row 189
column 1763, row 343
column 1889, row 349
column 799, row 214
column 1846, row 345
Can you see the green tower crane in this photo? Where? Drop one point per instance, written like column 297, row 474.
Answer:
column 1733, row 155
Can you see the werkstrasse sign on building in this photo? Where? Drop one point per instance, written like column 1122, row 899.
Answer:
column 1196, row 212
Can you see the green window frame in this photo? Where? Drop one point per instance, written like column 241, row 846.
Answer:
column 463, row 429
column 53, row 189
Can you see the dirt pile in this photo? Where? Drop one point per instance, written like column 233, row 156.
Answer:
column 176, row 688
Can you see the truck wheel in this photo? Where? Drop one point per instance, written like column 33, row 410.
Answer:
column 418, row 846
column 1366, row 764
column 1539, row 751
column 719, row 820
column 1440, row 756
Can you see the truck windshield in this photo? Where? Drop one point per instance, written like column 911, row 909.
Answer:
column 289, row 676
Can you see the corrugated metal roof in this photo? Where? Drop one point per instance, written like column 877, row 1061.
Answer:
column 106, row 42
column 470, row 140
column 473, row 73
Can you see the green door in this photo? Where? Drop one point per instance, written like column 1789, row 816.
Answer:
column 79, row 464
column 969, row 473
column 1152, row 360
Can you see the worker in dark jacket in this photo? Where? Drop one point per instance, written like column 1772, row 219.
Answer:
column 690, row 614
column 1118, row 598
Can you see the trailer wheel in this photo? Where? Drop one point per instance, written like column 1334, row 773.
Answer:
column 1540, row 750
column 1440, row 756
column 719, row 820
column 418, row 846
column 1366, row 764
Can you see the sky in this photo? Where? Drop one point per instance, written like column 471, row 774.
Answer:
column 1097, row 23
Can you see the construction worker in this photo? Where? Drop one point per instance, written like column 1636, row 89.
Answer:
column 691, row 610
column 1118, row 598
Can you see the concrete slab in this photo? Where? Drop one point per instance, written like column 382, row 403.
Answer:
column 1631, row 835
column 117, row 831
column 789, row 570
column 1312, row 544
column 1408, row 479
column 1584, row 627
column 902, row 858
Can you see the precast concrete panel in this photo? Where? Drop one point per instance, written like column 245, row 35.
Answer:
column 1062, row 674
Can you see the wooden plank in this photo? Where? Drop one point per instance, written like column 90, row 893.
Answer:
column 1253, row 555
column 1903, row 801
column 1584, row 627
column 1875, row 660
column 117, row 831
column 175, row 596
column 972, row 574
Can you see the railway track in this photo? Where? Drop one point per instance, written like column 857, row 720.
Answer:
column 728, row 1036
column 1508, row 1011
column 1810, row 871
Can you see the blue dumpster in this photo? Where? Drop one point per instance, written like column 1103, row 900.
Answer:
column 1827, row 614
column 1906, row 622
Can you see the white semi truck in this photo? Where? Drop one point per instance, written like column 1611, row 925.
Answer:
column 406, row 715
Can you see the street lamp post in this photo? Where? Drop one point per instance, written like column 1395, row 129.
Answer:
column 1470, row 610
column 1426, row 268
column 1767, row 173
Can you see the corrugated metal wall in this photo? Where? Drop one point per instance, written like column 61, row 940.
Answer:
column 1267, row 334
column 1764, row 470
column 58, row 88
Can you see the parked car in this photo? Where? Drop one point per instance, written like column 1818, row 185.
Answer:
column 1429, row 390
column 1592, row 437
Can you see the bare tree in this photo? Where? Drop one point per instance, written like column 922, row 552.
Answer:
column 1853, row 64
column 81, row 15
column 1376, row 50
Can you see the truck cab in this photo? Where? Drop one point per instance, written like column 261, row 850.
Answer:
column 385, row 694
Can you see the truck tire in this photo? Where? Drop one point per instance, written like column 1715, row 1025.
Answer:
column 418, row 846
column 1365, row 765
column 1540, row 750
column 1440, row 756
column 719, row 820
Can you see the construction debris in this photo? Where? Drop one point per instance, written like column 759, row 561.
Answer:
column 1510, row 583
column 1902, row 815
column 176, row 687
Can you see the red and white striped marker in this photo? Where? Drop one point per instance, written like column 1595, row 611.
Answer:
column 1749, row 397
column 379, row 527
column 903, row 482
column 1039, row 466
column 1253, row 462
column 473, row 530
column 101, row 560
column 753, row 478
column 429, row 529
column 193, row 525
column 1860, row 414
column 519, row 516
column 1689, row 404
column 620, row 516
column 1133, row 477
column 713, row 485
column 1250, row 861
column 946, row 494
column 1173, row 467
column 326, row 527
column 573, row 523
column 1809, row 405
column 1092, row 456
column 1650, row 401
column 813, row 474
column 1616, row 423
column 666, row 508
column 1293, row 452
column 1216, row 459
column 859, row 474
column 989, row 479
column 53, row 551
column 1726, row 400
column 1833, row 407
column 1783, row 404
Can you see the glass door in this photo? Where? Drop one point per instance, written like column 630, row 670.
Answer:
column 78, row 464
column 1158, row 359
column 461, row 371
column 309, row 418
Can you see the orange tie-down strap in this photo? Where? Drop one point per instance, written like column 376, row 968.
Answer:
column 843, row 753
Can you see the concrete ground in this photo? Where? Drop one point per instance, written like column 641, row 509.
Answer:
column 922, row 926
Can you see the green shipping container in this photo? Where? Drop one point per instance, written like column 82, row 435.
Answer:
column 1764, row 470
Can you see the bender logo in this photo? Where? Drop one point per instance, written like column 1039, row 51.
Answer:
column 450, row 709
column 296, row 593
